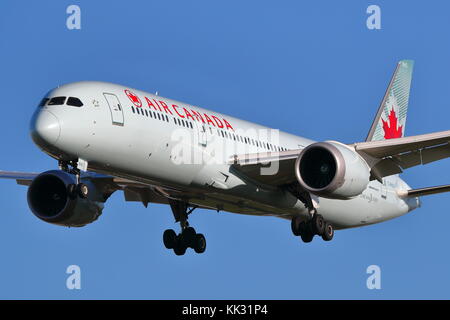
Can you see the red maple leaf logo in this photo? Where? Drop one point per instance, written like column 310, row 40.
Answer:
column 391, row 131
column 134, row 98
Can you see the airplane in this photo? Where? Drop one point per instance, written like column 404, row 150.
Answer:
column 108, row 137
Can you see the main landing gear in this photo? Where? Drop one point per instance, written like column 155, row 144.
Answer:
column 315, row 226
column 78, row 188
column 188, row 238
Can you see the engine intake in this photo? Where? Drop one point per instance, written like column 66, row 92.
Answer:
column 49, row 200
column 332, row 170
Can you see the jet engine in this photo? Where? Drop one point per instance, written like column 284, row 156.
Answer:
column 332, row 170
column 52, row 197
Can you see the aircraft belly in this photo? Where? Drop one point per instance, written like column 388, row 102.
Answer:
column 221, row 183
column 363, row 210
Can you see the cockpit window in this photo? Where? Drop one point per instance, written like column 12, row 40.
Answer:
column 74, row 102
column 56, row 101
column 43, row 102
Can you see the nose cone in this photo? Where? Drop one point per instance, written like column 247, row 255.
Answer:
column 45, row 128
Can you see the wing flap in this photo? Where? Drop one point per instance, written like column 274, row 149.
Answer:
column 423, row 156
column 144, row 195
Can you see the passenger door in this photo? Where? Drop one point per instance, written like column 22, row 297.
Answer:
column 202, row 133
column 116, row 109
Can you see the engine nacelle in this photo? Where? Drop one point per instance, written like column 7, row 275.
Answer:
column 332, row 170
column 50, row 200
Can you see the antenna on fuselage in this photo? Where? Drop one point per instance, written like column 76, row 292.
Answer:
column 156, row 93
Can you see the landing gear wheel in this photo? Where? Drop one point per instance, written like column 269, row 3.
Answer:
column 328, row 232
column 188, row 236
column 305, row 232
column 82, row 190
column 318, row 224
column 169, row 239
column 307, row 237
column 295, row 226
column 200, row 243
column 180, row 247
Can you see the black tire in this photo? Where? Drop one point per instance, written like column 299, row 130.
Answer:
column 318, row 224
column 169, row 239
column 200, row 243
column 188, row 236
column 82, row 190
column 328, row 233
column 179, row 248
column 295, row 226
column 307, row 236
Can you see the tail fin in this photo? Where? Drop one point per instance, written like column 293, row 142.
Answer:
column 390, row 119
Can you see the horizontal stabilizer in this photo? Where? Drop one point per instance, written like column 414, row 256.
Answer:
column 423, row 191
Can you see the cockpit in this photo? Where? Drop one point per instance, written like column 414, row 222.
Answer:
column 57, row 101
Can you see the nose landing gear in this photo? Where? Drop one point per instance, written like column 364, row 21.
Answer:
column 188, row 238
column 78, row 189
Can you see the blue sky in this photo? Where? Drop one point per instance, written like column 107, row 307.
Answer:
column 311, row 68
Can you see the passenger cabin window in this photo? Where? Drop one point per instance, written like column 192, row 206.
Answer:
column 56, row 101
column 75, row 102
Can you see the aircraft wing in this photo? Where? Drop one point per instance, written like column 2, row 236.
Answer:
column 23, row 178
column 394, row 155
column 385, row 157
column 268, row 168
column 132, row 190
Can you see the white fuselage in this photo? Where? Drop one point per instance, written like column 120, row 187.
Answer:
column 136, row 135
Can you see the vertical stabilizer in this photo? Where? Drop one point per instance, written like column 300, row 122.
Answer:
column 390, row 120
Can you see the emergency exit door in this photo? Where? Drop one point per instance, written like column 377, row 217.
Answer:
column 115, row 107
